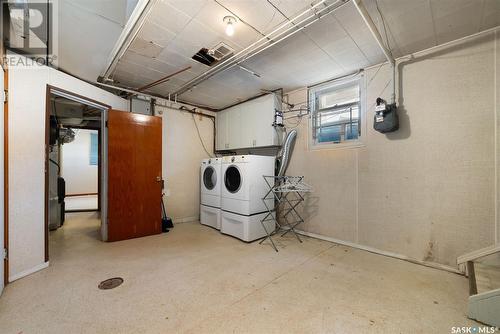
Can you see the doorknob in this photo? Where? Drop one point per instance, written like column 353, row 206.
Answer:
column 160, row 180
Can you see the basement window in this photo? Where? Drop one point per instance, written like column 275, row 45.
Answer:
column 337, row 111
column 94, row 149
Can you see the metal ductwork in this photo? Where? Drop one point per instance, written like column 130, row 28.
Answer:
column 286, row 152
column 66, row 135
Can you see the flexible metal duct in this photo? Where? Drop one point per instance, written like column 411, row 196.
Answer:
column 286, row 151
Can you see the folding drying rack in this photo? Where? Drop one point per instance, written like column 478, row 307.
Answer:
column 287, row 193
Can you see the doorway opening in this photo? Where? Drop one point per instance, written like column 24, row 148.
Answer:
column 75, row 177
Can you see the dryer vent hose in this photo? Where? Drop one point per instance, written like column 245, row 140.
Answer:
column 286, row 152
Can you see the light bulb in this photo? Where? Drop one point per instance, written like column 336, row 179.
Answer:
column 230, row 29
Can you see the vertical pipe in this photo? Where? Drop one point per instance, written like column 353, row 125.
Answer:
column 387, row 53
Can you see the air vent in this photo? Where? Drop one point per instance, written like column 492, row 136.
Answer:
column 214, row 55
column 221, row 51
column 204, row 57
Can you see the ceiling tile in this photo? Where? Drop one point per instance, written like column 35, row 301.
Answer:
column 188, row 7
column 491, row 14
column 457, row 18
column 145, row 48
column 211, row 18
column 259, row 13
column 169, row 17
column 153, row 32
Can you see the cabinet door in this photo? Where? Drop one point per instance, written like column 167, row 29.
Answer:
column 234, row 127
column 249, row 125
column 221, row 131
column 264, row 114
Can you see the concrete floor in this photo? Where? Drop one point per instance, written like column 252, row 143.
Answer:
column 195, row 280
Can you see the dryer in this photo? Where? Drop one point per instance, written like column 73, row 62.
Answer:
column 210, row 193
column 244, row 186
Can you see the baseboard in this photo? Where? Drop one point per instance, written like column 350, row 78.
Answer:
column 28, row 272
column 186, row 219
column 381, row 252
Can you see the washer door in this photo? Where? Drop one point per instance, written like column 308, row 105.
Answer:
column 232, row 179
column 209, row 178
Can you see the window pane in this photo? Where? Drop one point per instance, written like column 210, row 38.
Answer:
column 339, row 96
column 332, row 133
column 93, row 149
column 352, row 132
column 337, row 112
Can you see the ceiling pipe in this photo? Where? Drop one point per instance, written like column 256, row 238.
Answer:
column 132, row 28
column 285, row 30
column 163, row 80
column 387, row 53
column 153, row 96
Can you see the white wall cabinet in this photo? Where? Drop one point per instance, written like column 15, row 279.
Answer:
column 248, row 125
column 221, row 127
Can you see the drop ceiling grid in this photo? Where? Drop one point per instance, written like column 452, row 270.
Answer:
column 337, row 44
column 410, row 23
column 192, row 33
column 460, row 18
column 259, row 13
column 378, row 18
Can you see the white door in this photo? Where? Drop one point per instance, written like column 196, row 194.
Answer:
column 2, row 246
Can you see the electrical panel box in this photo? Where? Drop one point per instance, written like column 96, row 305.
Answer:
column 140, row 106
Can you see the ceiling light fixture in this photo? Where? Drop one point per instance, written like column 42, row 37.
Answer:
column 230, row 21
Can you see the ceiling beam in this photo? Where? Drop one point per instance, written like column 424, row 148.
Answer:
column 132, row 28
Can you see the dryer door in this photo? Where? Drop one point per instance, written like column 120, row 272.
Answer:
column 209, row 178
column 232, row 179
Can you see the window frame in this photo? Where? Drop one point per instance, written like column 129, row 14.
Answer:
column 313, row 100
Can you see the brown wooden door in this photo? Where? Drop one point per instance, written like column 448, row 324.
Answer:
column 134, row 175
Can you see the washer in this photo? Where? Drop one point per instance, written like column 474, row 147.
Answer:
column 211, row 179
column 244, row 186
column 210, row 184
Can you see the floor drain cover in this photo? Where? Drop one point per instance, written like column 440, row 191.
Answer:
column 110, row 283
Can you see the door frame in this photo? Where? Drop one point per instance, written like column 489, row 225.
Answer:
column 99, row 168
column 5, row 78
column 50, row 89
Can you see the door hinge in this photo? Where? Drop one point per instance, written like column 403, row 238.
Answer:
column 5, row 253
column 5, row 96
column 106, row 123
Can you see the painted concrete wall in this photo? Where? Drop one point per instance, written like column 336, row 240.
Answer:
column 427, row 191
column 80, row 176
column 182, row 155
column 27, row 88
column 497, row 129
